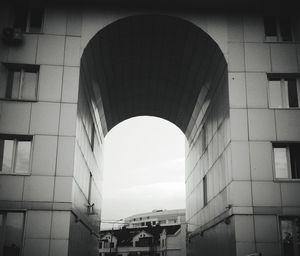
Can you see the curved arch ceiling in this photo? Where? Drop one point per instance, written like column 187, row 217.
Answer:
column 149, row 65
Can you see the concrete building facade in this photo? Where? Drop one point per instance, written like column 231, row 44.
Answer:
column 229, row 80
column 160, row 217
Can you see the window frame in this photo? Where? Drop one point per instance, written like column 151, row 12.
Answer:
column 22, row 68
column 286, row 145
column 89, row 199
column 205, row 191
column 93, row 134
column 278, row 38
column 279, row 225
column 5, row 212
column 16, row 139
column 283, row 79
column 28, row 12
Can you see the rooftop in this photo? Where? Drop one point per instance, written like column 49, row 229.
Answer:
column 125, row 235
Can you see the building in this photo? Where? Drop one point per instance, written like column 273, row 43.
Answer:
column 160, row 232
column 173, row 243
column 227, row 77
column 152, row 240
column 161, row 217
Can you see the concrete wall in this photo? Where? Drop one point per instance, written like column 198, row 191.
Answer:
column 51, row 193
column 245, row 183
column 176, row 244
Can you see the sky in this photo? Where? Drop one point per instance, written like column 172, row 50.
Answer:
column 143, row 168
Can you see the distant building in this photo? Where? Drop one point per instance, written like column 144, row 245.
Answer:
column 152, row 240
column 156, row 233
column 161, row 217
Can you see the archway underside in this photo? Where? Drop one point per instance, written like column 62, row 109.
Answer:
column 149, row 65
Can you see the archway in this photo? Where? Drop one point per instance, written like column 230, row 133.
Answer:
column 154, row 65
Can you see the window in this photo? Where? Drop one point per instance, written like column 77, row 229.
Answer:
column 93, row 137
column 90, row 189
column 284, row 92
column 11, row 233
column 144, row 242
column 278, row 28
column 203, row 139
column 287, row 161
column 290, row 236
column 28, row 20
column 204, row 181
column 21, row 82
column 15, row 154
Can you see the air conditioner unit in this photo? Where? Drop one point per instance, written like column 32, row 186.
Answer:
column 12, row 36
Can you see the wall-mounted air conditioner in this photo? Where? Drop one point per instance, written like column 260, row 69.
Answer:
column 12, row 36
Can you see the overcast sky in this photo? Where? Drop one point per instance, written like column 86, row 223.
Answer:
column 143, row 168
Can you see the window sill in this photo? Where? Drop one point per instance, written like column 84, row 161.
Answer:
column 17, row 100
column 33, row 33
column 15, row 174
column 287, row 180
column 285, row 108
column 280, row 42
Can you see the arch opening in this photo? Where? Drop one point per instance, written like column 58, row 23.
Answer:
column 154, row 65
column 144, row 162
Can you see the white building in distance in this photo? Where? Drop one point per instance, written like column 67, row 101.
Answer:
column 161, row 217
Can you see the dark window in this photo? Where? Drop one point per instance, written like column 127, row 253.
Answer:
column 15, row 154
column 144, row 242
column 292, row 93
column 203, row 139
column 278, row 28
column 270, row 26
column 295, row 160
column 204, row 190
column 290, row 236
column 36, row 20
column 20, row 18
column 28, row 19
column 11, row 233
column 287, row 160
column 90, row 188
column 93, row 137
column 285, row 29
